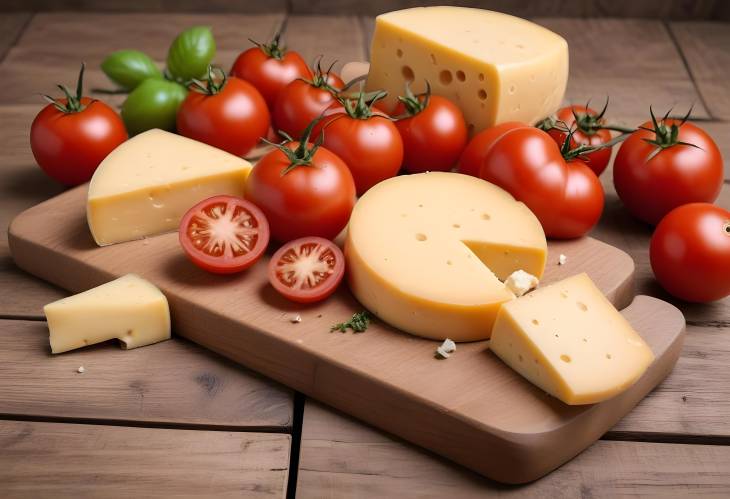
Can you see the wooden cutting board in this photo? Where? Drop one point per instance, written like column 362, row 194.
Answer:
column 470, row 408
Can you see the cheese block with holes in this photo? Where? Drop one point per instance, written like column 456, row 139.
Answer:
column 426, row 252
column 569, row 340
column 146, row 185
column 494, row 66
column 129, row 309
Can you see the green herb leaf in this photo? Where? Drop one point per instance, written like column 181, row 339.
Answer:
column 359, row 322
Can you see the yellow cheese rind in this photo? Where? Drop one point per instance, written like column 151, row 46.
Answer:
column 129, row 309
column 146, row 185
column 496, row 67
column 570, row 341
column 409, row 257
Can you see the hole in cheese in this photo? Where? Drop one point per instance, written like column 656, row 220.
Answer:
column 582, row 306
column 446, row 77
column 565, row 358
column 536, row 322
column 399, row 53
column 433, row 59
column 608, row 356
column 485, row 216
column 481, row 76
column 421, row 237
column 460, row 75
column 456, row 226
column 407, row 73
column 482, row 94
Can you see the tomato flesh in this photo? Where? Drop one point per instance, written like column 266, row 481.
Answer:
column 307, row 270
column 224, row 234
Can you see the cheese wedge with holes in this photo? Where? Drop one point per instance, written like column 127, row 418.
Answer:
column 494, row 66
column 570, row 341
column 426, row 253
column 146, row 185
column 129, row 309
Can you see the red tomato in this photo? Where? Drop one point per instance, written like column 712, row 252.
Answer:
column 434, row 135
column 366, row 140
column 70, row 137
column 690, row 252
column 269, row 67
column 307, row 270
column 470, row 162
column 224, row 234
column 588, row 132
column 303, row 101
column 230, row 115
column 313, row 198
column 565, row 196
column 652, row 179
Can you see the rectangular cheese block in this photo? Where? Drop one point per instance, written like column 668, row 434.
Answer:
column 494, row 66
column 570, row 341
column 129, row 309
column 146, row 185
column 426, row 253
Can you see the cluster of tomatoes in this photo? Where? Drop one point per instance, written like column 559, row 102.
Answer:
column 340, row 142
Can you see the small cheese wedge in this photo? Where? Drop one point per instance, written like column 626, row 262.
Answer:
column 494, row 66
column 426, row 252
column 129, row 309
column 569, row 340
column 146, row 185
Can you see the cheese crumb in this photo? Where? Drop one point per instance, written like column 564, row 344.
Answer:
column 446, row 349
column 520, row 282
column 562, row 259
column 81, row 370
column 295, row 319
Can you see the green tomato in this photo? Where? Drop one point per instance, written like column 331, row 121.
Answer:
column 129, row 68
column 153, row 104
column 191, row 53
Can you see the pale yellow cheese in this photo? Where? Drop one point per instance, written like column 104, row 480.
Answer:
column 496, row 67
column 129, row 309
column 569, row 340
column 426, row 252
column 146, row 185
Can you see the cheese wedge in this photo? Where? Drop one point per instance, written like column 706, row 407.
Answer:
column 494, row 66
column 569, row 340
column 146, row 185
column 426, row 253
column 129, row 309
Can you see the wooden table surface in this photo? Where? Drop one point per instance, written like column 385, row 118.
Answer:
column 174, row 420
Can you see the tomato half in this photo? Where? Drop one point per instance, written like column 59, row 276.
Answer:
column 434, row 135
column 224, row 234
column 307, row 270
column 584, row 134
column 230, row 115
column 270, row 68
column 652, row 180
column 690, row 252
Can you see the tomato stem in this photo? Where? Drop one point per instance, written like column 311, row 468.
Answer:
column 665, row 137
column 303, row 155
column 213, row 85
column 73, row 102
column 412, row 102
column 275, row 48
column 360, row 106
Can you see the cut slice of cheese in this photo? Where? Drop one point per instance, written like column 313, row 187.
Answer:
column 569, row 340
column 496, row 67
column 129, row 308
column 146, row 185
column 425, row 252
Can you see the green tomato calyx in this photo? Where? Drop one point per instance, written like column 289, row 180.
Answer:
column 275, row 48
column 72, row 102
column 320, row 76
column 413, row 103
column 303, row 154
column 360, row 105
column 214, row 83
column 665, row 135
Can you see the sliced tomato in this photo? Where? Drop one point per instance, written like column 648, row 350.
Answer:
column 307, row 270
column 224, row 234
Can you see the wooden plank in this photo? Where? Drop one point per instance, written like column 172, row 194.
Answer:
column 653, row 74
column 11, row 25
column 38, row 61
column 338, row 38
column 22, row 185
column 72, row 460
column 706, row 48
column 169, row 383
column 149, row 6
column 341, row 458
